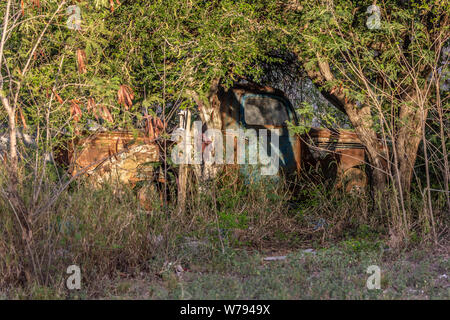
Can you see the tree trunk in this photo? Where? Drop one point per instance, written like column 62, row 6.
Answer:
column 377, row 156
column 408, row 137
column 185, row 123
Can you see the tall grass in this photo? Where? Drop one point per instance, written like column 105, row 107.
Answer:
column 109, row 231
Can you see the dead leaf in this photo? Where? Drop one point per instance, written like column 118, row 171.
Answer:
column 22, row 117
column 125, row 96
column 150, row 130
column 81, row 58
column 154, row 126
column 92, row 107
column 111, row 4
column 105, row 114
column 75, row 110
column 158, row 125
column 91, row 104
column 60, row 100
column 35, row 3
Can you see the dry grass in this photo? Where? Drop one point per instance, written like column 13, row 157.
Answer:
column 111, row 236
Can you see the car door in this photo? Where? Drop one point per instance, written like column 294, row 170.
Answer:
column 259, row 111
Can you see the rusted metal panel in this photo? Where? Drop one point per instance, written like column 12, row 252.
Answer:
column 345, row 146
column 115, row 156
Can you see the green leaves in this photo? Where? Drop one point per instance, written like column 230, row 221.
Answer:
column 166, row 48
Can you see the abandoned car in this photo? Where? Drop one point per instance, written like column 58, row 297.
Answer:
column 127, row 156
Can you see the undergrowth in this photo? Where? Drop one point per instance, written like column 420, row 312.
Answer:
column 109, row 233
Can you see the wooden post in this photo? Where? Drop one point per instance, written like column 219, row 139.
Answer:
column 184, row 168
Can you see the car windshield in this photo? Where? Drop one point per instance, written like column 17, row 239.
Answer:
column 264, row 110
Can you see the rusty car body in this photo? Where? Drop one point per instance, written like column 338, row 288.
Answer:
column 125, row 156
column 121, row 156
column 252, row 106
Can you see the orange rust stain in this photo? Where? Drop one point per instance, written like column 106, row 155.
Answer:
column 113, row 153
